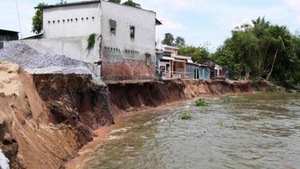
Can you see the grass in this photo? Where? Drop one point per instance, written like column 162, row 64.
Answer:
column 185, row 116
column 201, row 102
column 236, row 98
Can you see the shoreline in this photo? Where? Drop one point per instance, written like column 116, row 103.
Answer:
column 56, row 116
column 102, row 133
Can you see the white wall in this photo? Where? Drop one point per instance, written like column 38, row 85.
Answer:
column 218, row 68
column 172, row 49
column 164, row 63
column 87, row 15
column 125, row 16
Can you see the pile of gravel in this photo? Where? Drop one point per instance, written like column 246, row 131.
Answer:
column 35, row 62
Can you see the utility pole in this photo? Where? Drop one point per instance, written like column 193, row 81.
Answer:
column 19, row 19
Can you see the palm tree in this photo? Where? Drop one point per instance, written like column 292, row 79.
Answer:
column 282, row 36
column 261, row 22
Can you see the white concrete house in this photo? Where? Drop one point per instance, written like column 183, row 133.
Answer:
column 124, row 41
column 125, row 35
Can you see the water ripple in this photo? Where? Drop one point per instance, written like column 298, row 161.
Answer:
column 254, row 131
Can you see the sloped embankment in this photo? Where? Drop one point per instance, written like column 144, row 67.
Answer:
column 75, row 100
column 131, row 97
column 196, row 88
column 27, row 137
column 45, row 126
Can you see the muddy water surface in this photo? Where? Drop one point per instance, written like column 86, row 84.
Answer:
column 252, row 131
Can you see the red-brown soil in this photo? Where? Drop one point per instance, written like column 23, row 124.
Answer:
column 133, row 97
column 46, row 118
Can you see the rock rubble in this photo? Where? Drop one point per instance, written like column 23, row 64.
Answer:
column 35, row 62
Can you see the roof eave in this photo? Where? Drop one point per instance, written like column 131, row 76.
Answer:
column 69, row 4
column 158, row 22
column 8, row 31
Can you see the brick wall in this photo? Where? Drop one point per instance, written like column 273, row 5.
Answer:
column 129, row 69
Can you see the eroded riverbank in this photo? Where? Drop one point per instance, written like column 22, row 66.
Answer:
column 47, row 118
column 235, row 131
column 139, row 96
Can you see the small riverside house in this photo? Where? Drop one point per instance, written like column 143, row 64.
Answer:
column 171, row 65
column 163, row 63
column 197, row 71
column 7, row 35
column 217, row 70
column 179, row 69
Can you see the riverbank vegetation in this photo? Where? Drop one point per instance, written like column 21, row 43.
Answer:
column 255, row 51
column 186, row 116
column 262, row 50
column 201, row 102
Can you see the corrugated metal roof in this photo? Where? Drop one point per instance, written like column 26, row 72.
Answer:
column 171, row 47
column 182, row 57
column 168, row 58
column 196, row 64
column 3, row 30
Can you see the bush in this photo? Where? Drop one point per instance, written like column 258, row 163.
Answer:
column 186, row 117
column 201, row 102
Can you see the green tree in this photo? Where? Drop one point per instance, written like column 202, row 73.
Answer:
column 179, row 41
column 262, row 50
column 131, row 3
column 198, row 54
column 168, row 40
column 278, row 43
column 261, row 22
column 37, row 19
column 115, row 1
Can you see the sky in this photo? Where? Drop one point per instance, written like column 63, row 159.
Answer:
column 205, row 23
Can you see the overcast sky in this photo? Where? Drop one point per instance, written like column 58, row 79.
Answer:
column 199, row 22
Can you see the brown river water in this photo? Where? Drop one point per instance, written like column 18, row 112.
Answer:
column 259, row 131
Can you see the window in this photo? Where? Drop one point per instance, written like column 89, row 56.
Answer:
column 132, row 32
column 148, row 58
column 113, row 26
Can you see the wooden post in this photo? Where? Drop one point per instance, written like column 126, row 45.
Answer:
column 184, row 69
column 172, row 62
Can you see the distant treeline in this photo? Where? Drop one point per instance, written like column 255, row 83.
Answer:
column 256, row 50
